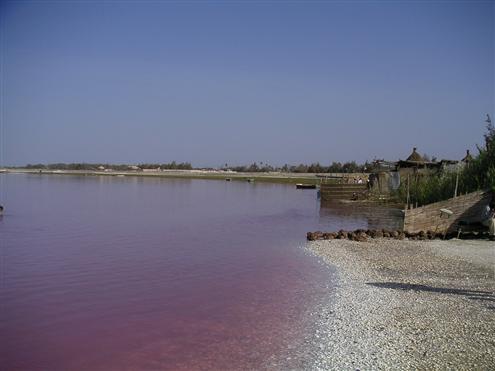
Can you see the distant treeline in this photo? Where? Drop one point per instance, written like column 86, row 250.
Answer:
column 335, row 167
column 120, row 167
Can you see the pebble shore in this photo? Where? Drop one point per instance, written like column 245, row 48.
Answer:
column 401, row 304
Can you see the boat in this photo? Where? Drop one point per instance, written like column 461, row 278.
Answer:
column 305, row 186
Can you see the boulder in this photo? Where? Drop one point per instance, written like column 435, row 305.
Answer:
column 328, row 236
column 372, row 233
column 313, row 236
column 361, row 237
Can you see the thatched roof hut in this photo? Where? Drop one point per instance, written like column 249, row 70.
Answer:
column 415, row 156
column 415, row 162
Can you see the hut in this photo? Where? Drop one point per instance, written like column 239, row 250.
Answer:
column 416, row 164
column 415, row 157
column 414, row 160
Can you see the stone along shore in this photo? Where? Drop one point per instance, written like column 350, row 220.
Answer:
column 402, row 304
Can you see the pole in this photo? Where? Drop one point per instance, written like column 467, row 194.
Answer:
column 407, row 206
column 456, row 183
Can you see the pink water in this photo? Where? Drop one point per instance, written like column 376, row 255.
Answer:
column 102, row 273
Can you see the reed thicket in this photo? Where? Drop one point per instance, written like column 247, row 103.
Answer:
column 478, row 174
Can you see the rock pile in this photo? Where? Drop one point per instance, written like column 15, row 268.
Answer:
column 362, row 235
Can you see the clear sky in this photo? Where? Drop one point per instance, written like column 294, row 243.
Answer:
column 236, row 82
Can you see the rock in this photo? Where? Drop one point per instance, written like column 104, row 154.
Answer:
column 361, row 237
column 394, row 234
column 313, row 236
column 328, row 236
column 411, row 235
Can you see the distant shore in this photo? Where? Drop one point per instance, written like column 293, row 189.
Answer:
column 270, row 177
column 409, row 305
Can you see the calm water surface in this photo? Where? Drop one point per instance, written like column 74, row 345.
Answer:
column 102, row 273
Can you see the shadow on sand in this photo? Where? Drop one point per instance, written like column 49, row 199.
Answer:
column 485, row 296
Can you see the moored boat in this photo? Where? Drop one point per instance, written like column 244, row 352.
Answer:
column 305, row 186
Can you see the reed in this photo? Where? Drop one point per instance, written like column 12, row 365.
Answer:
column 476, row 175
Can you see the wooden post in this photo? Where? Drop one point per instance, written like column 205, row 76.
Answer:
column 407, row 192
column 456, row 183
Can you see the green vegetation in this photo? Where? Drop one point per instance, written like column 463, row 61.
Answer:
column 476, row 175
column 118, row 167
column 335, row 167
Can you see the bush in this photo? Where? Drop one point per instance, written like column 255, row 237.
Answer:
column 478, row 174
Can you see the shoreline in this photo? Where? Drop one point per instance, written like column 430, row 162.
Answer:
column 408, row 304
column 275, row 177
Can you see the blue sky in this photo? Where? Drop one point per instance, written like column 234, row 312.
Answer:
column 237, row 82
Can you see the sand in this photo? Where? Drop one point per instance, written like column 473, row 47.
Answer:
column 407, row 305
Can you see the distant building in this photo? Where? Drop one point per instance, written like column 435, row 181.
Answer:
column 449, row 165
column 416, row 164
column 382, row 165
column 387, row 176
column 152, row 170
column 415, row 157
column 102, row 168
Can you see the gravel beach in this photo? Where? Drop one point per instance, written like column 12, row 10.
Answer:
column 408, row 305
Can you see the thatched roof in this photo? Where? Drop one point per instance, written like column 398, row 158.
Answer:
column 468, row 157
column 415, row 156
